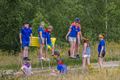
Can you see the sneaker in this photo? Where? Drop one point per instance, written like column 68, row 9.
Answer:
column 73, row 57
column 42, row 58
column 77, row 56
column 47, row 59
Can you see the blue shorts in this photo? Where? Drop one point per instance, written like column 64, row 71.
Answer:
column 25, row 44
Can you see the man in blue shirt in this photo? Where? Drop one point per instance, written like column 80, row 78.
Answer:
column 101, row 50
column 25, row 34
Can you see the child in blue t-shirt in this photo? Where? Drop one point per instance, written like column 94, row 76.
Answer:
column 42, row 36
column 48, row 38
column 61, row 67
column 101, row 50
column 25, row 34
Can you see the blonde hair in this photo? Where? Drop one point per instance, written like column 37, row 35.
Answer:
column 101, row 35
column 50, row 27
column 42, row 23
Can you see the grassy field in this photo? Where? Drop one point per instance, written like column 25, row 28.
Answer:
column 13, row 61
column 9, row 61
column 105, row 74
column 94, row 74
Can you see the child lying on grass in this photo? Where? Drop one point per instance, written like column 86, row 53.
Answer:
column 61, row 67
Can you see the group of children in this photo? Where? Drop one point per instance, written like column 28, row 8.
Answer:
column 44, row 35
column 74, row 37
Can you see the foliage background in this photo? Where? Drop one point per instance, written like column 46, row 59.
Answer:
column 95, row 15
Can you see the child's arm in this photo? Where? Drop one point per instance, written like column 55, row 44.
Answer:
column 101, row 51
column 85, row 47
column 20, row 36
column 68, row 33
column 40, row 33
column 78, row 37
column 23, row 70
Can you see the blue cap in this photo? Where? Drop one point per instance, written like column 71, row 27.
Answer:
column 77, row 19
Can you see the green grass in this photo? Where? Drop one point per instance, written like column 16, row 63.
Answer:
column 95, row 74
column 13, row 62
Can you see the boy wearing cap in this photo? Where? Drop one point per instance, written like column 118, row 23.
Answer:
column 101, row 50
column 25, row 34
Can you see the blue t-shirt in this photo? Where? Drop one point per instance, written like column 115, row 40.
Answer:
column 41, row 29
column 25, row 32
column 48, row 37
column 74, row 31
column 62, row 68
column 102, row 43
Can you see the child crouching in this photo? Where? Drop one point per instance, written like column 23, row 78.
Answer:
column 61, row 67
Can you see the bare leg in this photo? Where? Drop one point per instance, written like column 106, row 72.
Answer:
column 40, row 52
column 53, row 50
column 71, row 48
column 25, row 52
column 100, row 62
column 88, row 60
column 74, row 44
column 83, row 63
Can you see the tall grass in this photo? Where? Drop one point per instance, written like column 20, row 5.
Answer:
column 13, row 61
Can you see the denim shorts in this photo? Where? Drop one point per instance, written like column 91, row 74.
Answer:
column 72, row 39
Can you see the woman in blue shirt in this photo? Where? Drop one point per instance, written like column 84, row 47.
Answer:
column 72, row 36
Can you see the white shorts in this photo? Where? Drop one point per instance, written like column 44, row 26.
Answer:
column 72, row 39
column 85, row 56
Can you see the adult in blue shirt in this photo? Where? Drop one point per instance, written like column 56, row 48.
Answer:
column 72, row 36
column 42, row 36
column 25, row 34
column 101, row 50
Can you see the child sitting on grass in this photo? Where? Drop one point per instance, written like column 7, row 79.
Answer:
column 61, row 67
column 26, row 69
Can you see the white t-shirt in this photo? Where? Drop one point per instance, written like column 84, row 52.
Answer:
column 27, row 70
